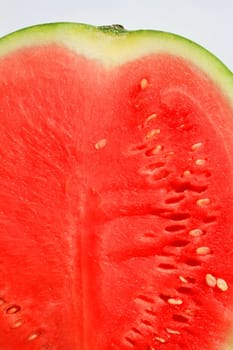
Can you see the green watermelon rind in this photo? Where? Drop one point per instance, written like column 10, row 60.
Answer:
column 113, row 46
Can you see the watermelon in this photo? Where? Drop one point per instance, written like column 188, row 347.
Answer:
column 116, row 191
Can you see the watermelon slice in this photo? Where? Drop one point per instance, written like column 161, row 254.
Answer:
column 116, row 191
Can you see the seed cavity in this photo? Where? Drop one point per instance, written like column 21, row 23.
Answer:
column 173, row 200
column 210, row 280
column 173, row 301
column 172, row 331
column 185, row 290
column 180, row 318
column 174, row 228
column 144, row 83
column 196, row 146
column 152, row 133
column 13, row 309
column 101, row 144
column 179, row 243
column 203, row 250
column 203, row 202
column 193, row 262
column 200, row 162
column 178, row 216
column 167, row 266
column 222, row 284
column 196, row 232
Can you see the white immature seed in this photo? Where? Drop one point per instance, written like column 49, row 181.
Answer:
column 144, row 83
column 173, row 301
column 2, row 301
column 222, row 284
column 17, row 324
column 200, row 162
column 203, row 202
column 196, row 232
column 196, row 146
column 210, row 280
column 187, row 173
column 150, row 117
column 101, row 144
column 161, row 340
column 203, row 250
column 182, row 279
column 152, row 133
column 33, row 336
column 172, row 331
column 157, row 149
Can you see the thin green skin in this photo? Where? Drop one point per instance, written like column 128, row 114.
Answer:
column 114, row 45
column 196, row 54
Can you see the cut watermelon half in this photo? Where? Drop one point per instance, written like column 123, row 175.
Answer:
column 116, row 191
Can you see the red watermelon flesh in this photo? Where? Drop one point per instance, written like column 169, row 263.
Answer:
column 115, row 203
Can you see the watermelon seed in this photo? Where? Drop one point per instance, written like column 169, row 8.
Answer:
column 174, row 228
column 172, row 331
column 196, row 232
column 222, row 284
column 101, row 144
column 161, row 340
column 200, row 162
column 210, row 280
column 2, row 301
column 33, row 336
column 203, row 250
column 13, row 309
column 150, row 117
column 196, row 146
column 180, row 318
column 173, row 301
column 203, row 202
column 17, row 324
column 144, row 83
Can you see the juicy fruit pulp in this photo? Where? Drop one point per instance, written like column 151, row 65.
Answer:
column 116, row 203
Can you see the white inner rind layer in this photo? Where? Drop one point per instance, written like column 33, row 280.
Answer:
column 113, row 47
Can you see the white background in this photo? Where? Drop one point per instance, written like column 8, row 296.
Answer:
column 208, row 22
